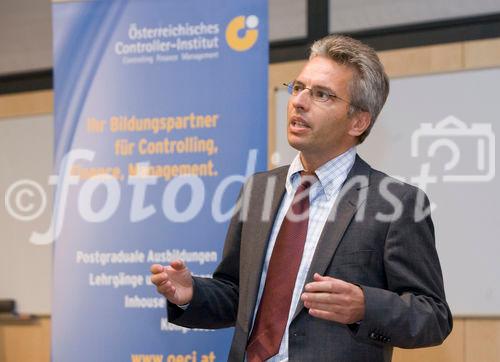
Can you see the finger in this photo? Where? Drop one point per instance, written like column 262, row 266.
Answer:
column 339, row 284
column 329, row 286
column 328, row 315
column 325, row 307
column 319, row 297
column 178, row 264
column 167, row 289
column 319, row 277
column 324, row 278
column 159, row 279
column 156, row 268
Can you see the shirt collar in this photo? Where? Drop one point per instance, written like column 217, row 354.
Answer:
column 331, row 175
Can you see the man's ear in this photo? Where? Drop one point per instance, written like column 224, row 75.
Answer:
column 360, row 121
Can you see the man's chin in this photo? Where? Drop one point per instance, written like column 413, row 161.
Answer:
column 296, row 142
column 298, row 147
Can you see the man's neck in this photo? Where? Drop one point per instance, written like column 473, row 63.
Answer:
column 312, row 162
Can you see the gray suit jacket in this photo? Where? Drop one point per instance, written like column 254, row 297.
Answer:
column 394, row 261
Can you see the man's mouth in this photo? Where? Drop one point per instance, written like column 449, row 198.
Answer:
column 297, row 123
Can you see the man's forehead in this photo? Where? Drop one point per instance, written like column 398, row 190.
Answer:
column 325, row 72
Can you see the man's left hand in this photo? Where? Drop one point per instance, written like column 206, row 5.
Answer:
column 334, row 299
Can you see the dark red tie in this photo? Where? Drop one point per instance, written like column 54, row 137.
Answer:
column 272, row 315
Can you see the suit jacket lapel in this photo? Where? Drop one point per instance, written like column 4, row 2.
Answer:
column 345, row 207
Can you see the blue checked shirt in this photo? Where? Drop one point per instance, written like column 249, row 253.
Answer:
column 322, row 196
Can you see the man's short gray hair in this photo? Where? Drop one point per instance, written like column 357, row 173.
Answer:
column 370, row 85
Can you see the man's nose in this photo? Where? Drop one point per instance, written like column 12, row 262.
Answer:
column 302, row 100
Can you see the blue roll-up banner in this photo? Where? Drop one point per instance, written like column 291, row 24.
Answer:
column 160, row 115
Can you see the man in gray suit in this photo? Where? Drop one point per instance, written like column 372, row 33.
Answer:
column 352, row 274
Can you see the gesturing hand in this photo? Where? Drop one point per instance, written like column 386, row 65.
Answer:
column 334, row 299
column 173, row 281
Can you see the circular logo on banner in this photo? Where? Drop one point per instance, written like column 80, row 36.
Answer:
column 242, row 33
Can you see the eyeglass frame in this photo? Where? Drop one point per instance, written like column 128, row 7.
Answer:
column 290, row 90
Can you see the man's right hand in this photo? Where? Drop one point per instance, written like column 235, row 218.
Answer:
column 174, row 282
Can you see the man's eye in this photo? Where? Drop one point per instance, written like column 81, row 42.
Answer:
column 298, row 88
column 321, row 94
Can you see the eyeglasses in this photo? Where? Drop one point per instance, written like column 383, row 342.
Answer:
column 318, row 94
